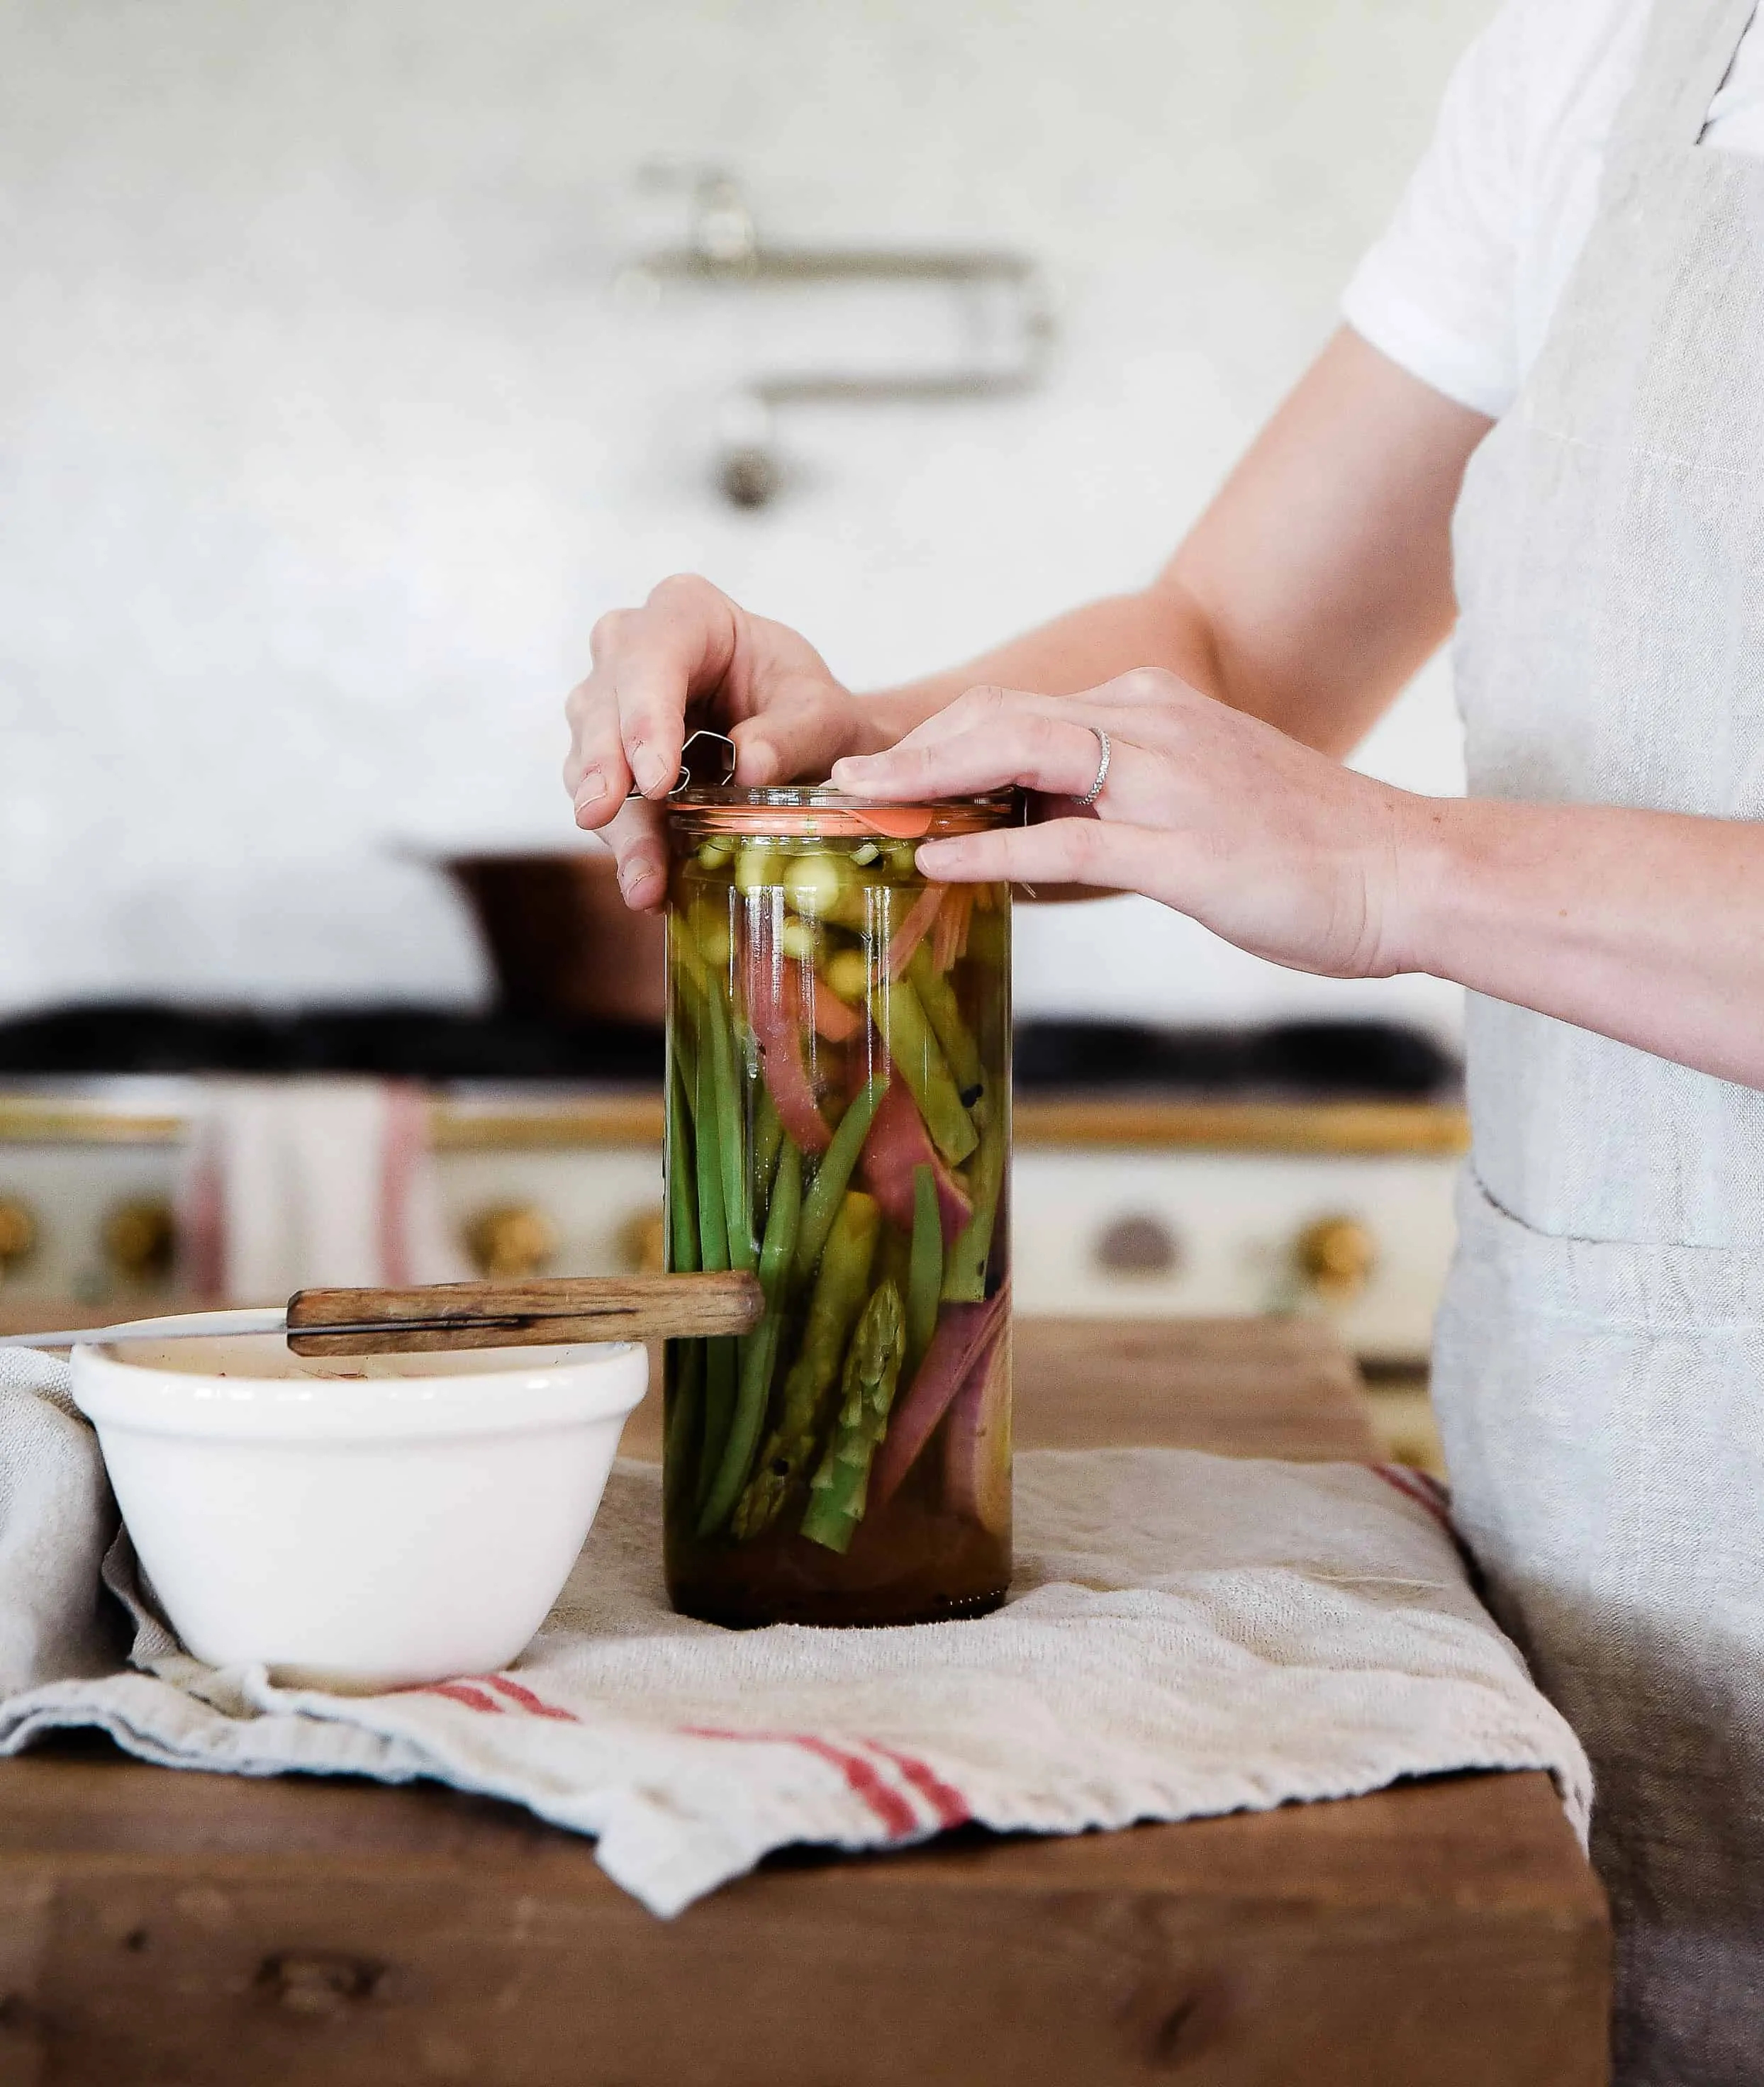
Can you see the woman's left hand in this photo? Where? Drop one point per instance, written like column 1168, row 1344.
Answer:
column 1275, row 847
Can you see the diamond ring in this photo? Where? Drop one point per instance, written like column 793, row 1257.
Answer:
column 1095, row 789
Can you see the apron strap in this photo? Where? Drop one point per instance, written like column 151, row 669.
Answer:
column 1689, row 51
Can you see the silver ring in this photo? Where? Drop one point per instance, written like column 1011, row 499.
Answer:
column 1095, row 789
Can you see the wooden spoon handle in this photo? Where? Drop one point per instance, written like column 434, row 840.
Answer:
column 513, row 1315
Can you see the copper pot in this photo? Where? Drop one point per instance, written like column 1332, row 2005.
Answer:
column 564, row 944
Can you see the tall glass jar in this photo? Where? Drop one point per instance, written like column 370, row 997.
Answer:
column 839, row 1120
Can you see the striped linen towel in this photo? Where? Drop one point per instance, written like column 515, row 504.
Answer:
column 320, row 1179
column 1186, row 1635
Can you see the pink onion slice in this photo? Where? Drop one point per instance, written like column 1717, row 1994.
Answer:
column 963, row 1334
column 898, row 1143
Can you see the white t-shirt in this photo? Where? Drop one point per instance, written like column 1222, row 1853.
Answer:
column 1461, row 287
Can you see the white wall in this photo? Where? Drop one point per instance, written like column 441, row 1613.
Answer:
column 323, row 443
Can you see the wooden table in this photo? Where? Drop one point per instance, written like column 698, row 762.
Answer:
column 186, row 1930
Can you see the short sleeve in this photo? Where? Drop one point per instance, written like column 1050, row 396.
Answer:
column 1438, row 292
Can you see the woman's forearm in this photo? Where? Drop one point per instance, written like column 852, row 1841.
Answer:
column 1159, row 627
column 1315, row 584
column 1645, row 926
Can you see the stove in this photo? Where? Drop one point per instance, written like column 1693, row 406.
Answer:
column 1300, row 1167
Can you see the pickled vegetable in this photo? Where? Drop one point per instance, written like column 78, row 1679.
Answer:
column 839, row 1118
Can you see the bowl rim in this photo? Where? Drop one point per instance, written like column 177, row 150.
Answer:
column 521, row 1388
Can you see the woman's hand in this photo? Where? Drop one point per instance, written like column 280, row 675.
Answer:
column 1278, row 848
column 690, row 656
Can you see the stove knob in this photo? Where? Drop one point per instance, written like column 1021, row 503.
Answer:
column 1138, row 1244
column 18, row 1232
column 1335, row 1256
column 140, row 1240
column 511, row 1240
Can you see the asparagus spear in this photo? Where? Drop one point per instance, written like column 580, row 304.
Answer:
column 925, row 1276
column 833, row 1308
column 822, row 1204
column 836, row 1492
column 898, row 1012
column 759, row 1350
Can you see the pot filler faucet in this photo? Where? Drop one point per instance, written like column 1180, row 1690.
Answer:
column 723, row 249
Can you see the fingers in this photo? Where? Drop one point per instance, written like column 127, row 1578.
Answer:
column 803, row 729
column 628, row 718
column 637, row 835
column 1076, row 850
column 1048, row 751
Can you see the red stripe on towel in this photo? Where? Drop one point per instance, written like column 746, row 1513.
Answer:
column 463, row 1692
column 948, row 1802
column 528, row 1701
column 861, row 1779
column 1415, row 1486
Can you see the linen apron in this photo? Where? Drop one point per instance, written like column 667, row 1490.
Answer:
column 1599, row 1358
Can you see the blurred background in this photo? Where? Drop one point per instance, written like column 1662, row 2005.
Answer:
column 338, row 401
column 327, row 434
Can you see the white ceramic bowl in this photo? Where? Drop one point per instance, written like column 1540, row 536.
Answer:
column 369, row 1522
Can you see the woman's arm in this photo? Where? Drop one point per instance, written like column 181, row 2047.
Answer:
column 1311, row 589
column 1316, row 582
column 1645, row 926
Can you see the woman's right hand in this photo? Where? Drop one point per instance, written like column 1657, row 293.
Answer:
column 690, row 656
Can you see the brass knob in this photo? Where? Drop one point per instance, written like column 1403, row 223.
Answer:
column 642, row 1242
column 140, row 1239
column 510, row 1239
column 18, row 1232
column 1335, row 1256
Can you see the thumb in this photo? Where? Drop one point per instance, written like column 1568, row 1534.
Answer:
column 797, row 738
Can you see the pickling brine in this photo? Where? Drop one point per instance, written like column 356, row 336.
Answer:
column 839, row 1121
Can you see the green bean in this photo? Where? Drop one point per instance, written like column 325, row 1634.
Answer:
column 730, row 1155
column 713, row 1222
column 821, row 1205
column 768, row 1137
column 685, row 1397
column 925, row 1276
column 683, row 952
column 964, row 1279
column 759, row 1350
column 936, row 996
column 721, row 1366
column 781, row 1224
column 914, row 1049
column 682, row 1213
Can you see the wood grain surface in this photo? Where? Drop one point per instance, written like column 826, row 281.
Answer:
column 158, row 1928
column 540, row 1310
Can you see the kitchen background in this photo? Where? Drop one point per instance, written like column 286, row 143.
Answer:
column 328, row 431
